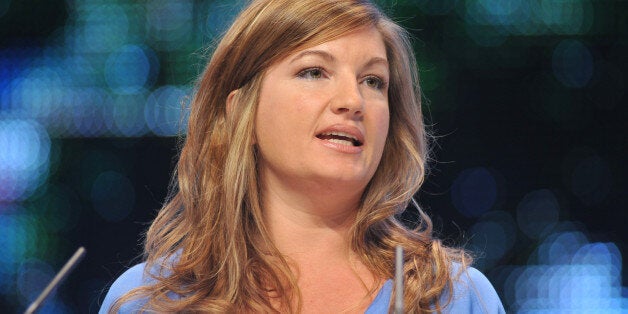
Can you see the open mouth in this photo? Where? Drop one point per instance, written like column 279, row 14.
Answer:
column 340, row 138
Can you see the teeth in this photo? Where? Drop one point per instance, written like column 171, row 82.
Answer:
column 342, row 142
column 343, row 134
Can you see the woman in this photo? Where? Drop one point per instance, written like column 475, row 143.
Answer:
column 305, row 139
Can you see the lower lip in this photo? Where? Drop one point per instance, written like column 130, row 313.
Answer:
column 347, row 149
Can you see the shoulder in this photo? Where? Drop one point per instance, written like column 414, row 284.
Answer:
column 132, row 278
column 472, row 293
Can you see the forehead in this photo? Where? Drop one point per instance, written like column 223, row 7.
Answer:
column 366, row 41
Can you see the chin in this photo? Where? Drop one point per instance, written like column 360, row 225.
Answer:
column 346, row 180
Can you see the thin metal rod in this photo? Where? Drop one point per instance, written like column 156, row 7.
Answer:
column 56, row 281
column 398, row 280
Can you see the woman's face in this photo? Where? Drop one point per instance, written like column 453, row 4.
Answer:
column 323, row 113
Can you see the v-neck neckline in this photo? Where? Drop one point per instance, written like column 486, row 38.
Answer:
column 381, row 302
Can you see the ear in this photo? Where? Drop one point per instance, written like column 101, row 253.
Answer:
column 230, row 101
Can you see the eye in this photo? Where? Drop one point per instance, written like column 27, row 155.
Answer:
column 311, row 74
column 375, row 82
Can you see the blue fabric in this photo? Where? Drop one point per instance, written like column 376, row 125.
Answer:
column 473, row 293
column 132, row 278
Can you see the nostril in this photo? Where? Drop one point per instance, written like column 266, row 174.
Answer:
column 347, row 110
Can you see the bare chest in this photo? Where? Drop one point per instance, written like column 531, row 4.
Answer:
column 336, row 291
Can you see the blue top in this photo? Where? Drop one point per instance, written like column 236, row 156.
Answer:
column 473, row 293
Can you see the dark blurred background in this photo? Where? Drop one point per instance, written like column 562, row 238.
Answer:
column 525, row 100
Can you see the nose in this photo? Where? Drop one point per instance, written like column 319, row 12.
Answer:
column 348, row 99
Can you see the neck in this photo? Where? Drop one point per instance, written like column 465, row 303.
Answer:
column 309, row 219
column 311, row 226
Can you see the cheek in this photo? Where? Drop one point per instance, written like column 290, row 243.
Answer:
column 383, row 124
column 277, row 126
column 264, row 122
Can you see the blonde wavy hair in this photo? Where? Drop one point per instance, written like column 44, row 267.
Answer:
column 209, row 245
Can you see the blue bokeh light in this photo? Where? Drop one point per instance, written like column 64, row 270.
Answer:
column 127, row 115
column 570, row 275
column 517, row 17
column 18, row 242
column 572, row 63
column 59, row 207
column 128, row 69
column 537, row 213
column 113, row 196
column 24, row 150
column 474, row 191
column 164, row 109
column 492, row 237
column 100, row 27
column 566, row 17
column 88, row 110
column 220, row 14
column 40, row 90
column 170, row 23
column 82, row 70
column 33, row 276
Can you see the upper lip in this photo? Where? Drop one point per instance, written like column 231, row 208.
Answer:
column 344, row 130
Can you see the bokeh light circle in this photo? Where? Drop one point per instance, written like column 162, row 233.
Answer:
column 572, row 63
column 474, row 191
column 101, row 27
column 220, row 14
column 164, row 112
column 33, row 276
column 537, row 213
column 113, row 196
column 88, row 112
column 129, row 69
column 127, row 116
column 170, row 23
column 492, row 237
column 24, row 152
column 566, row 17
column 570, row 274
column 17, row 243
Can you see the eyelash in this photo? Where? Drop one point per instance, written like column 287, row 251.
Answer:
column 307, row 74
column 381, row 84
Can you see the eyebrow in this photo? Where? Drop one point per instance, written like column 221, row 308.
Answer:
column 329, row 57
column 323, row 54
column 376, row 60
